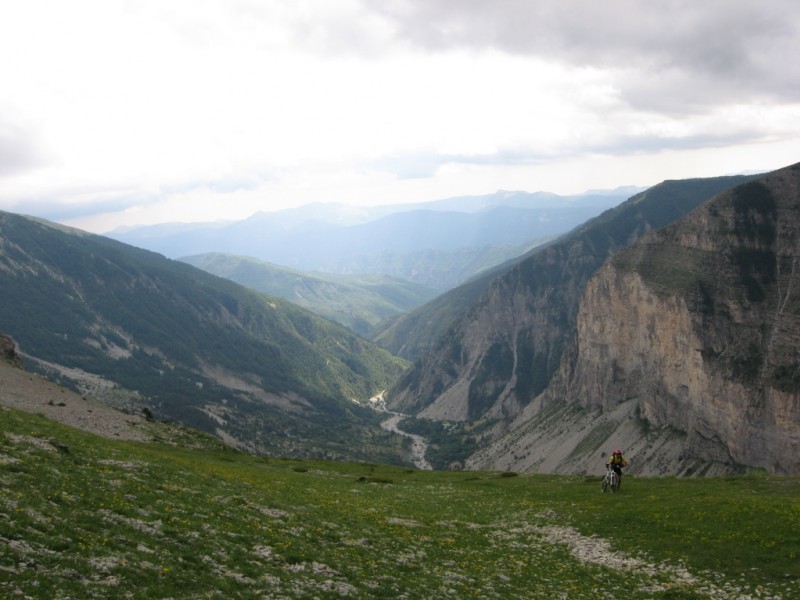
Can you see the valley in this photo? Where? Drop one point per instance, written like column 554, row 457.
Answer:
column 238, row 461
column 541, row 363
column 349, row 299
column 419, row 444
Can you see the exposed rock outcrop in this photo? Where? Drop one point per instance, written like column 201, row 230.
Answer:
column 696, row 328
column 8, row 351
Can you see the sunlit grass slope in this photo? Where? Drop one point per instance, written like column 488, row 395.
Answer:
column 84, row 517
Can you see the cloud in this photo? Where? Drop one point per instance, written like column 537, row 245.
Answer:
column 55, row 208
column 700, row 52
column 19, row 149
column 163, row 110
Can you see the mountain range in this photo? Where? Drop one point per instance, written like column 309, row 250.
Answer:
column 666, row 324
column 438, row 244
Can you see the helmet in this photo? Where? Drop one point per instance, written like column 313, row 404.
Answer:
column 617, row 452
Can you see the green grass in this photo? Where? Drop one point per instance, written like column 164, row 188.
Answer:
column 83, row 517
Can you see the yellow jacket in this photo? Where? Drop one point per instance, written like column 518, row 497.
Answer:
column 618, row 459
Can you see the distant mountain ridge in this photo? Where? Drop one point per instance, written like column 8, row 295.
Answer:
column 464, row 235
column 140, row 331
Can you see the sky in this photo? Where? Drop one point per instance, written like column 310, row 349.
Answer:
column 133, row 112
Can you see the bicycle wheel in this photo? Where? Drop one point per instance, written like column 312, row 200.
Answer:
column 614, row 482
column 604, row 484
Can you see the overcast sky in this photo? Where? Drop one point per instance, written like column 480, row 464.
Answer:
column 123, row 112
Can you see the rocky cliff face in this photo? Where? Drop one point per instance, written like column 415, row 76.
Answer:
column 503, row 352
column 500, row 354
column 692, row 338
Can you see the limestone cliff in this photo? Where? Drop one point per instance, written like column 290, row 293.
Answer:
column 687, row 348
column 503, row 351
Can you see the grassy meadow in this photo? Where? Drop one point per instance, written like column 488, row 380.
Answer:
column 185, row 517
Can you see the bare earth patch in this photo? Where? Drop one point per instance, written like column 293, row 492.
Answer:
column 28, row 392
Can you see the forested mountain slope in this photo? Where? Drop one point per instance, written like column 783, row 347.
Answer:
column 360, row 302
column 138, row 330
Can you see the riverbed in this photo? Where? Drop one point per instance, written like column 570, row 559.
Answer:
column 419, row 445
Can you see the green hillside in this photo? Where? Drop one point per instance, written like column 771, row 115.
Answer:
column 186, row 517
column 359, row 302
column 135, row 329
column 411, row 335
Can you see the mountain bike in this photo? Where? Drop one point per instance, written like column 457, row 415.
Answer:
column 610, row 481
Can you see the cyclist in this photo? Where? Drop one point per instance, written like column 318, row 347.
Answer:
column 618, row 462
